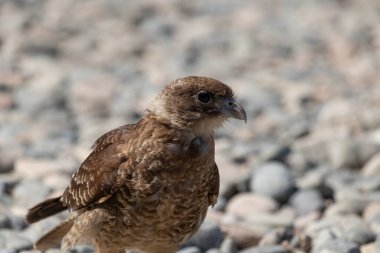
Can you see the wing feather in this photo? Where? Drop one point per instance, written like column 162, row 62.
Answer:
column 214, row 186
column 97, row 177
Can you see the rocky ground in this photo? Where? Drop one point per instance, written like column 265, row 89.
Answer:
column 302, row 176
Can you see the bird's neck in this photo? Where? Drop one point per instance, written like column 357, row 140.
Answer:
column 201, row 129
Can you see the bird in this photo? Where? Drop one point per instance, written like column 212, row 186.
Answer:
column 147, row 186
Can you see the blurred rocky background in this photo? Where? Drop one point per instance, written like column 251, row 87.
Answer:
column 302, row 176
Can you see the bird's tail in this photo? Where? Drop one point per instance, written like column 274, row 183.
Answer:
column 54, row 237
column 45, row 209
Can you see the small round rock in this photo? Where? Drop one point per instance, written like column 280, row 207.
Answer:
column 274, row 180
column 338, row 245
column 307, row 201
column 189, row 250
column 208, row 236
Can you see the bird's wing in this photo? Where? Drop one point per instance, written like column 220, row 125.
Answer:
column 214, row 186
column 97, row 178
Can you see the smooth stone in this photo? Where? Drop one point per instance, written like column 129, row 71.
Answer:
column 56, row 251
column 356, row 200
column 351, row 228
column 8, row 251
column 368, row 248
column 228, row 246
column 341, row 208
column 301, row 222
column 189, row 250
column 347, row 153
column 313, row 179
column 265, row 249
column 371, row 211
column 208, row 236
column 375, row 224
column 84, row 249
column 30, row 191
column 273, row 180
column 13, row 240
column 298, row 162
column 306, row 201
column 241, row 232
column 18, row 222
column 213, row 251
column 37, row 168
column 246, row 205
column 5, row 222
column 372, row 167
column 366, row 184
column 337, row 245
column 273, row 237
column 220, row 204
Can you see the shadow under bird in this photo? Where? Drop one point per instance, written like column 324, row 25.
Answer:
column 147, row 186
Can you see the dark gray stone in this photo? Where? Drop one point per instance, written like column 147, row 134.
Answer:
column 5, row 222
column 208, row 236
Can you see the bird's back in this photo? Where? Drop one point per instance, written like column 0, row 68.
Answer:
column 164, row 198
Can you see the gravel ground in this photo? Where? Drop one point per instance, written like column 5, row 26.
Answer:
column 302, row 176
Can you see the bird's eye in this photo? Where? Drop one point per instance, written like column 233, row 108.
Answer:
column 204, row 96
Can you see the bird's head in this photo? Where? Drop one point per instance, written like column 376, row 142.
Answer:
column 197, row 103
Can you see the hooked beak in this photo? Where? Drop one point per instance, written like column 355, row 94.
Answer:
column 233, row 109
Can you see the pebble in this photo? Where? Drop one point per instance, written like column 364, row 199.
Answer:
column 208, row 236
column 38, row 168
column 375, row 224
column 189, row 250
column 368, row 248
column 273, row 180
column 30, row 191
column 243, row 233
column 350, row 153
column 371, row 211
column 228, row 246
column 372, row 167
column 273, row 237
column 5, row 222
column 306, row 201
column 13, row 240
column 8, row 251
column 313, row 179
column 338, row 246
column 265, row 249
column 246, row 205
column 213, row 251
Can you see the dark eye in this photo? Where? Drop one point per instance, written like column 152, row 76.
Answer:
column 204, row 96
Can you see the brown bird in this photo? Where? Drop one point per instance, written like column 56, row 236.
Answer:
column 147, row 186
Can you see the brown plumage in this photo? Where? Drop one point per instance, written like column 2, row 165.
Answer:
column 147, row 186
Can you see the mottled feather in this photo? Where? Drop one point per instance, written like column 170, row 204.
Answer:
column 147, row 185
